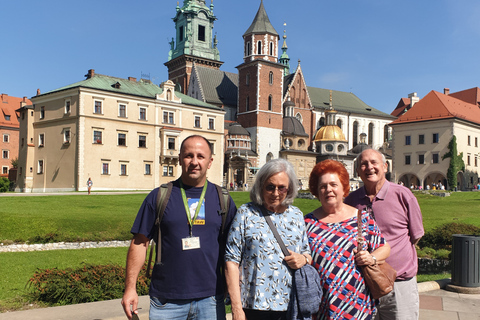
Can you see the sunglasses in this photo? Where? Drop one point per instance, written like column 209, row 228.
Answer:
column 272, row 188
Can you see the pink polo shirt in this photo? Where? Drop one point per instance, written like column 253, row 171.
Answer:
column 398, row 215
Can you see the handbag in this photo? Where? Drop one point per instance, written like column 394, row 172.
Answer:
column 307, row 291
column 379, row 278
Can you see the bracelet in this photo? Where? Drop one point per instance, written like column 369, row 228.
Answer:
column 374, row 259
column 306, row 259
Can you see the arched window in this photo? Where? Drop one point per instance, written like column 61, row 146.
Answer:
column 299, row 117
column 247, row 49
column 270, row 78
column 370, row 134
column 385, row 133
column 321, row 122
column 339, row 123
column 259, row 47
column 247, row 103
column 269, row 156
column 270, row 103
column 355, row 133
column 271, row 48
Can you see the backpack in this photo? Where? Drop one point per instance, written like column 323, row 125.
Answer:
column 162, row 199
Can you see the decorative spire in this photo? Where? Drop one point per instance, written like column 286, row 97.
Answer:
column 284, row 58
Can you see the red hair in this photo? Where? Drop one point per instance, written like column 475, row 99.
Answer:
column 328, row 166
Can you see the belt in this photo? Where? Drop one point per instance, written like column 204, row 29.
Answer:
column 401, row 280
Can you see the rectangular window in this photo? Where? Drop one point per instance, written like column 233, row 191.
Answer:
column 168, row 117
column 67, row 106
column 42, row 112
column 180, row 33
column 66, row 136
column 476, row 142
column 468, row 140
column 476, row 162
column 23, row 142
column 171, row 143
column 407, row 140
column 147, row 169
column 197, row 122
column 5, row 154
column 142, row 141
column 97, row 137
column 435, row 138
column 143, row 114
column 105, row 168
column 201, row 33
column 407, row 159
column 421, row 139
column 122, row 139
column 40, row 166
column 122, row 110
column 421, row 159
column 435, row 158
column 98, row 107
column 211, row 123
column 123, row 169
column 168, row 171
column 6, row 138
column 468, row 160
column 41, row 140
column 4, row 170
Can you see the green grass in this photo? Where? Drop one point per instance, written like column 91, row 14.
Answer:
column 110, row 217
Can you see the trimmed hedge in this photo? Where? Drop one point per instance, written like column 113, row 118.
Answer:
column 441, row 237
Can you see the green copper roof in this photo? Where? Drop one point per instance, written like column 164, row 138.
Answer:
column 261, row 23
column 343, row 102
column 142, row 88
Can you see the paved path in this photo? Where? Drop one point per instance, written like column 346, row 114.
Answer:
column 435, row 303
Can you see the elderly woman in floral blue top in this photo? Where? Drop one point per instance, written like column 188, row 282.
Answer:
column 259, row 276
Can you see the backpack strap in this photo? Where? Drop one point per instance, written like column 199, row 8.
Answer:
column 224, row 197
column 162, row 199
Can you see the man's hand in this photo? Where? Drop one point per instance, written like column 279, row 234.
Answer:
column 130, row 303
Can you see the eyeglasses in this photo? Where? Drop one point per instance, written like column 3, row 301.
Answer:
column 271, row 188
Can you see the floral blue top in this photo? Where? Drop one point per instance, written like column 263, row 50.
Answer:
column 265, row 279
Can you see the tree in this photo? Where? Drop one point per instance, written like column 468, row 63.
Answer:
column 14, row 162
column 4, row 184
column 456, row 163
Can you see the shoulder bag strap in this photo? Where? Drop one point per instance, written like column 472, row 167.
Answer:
column 275, row 232
column 360, row 239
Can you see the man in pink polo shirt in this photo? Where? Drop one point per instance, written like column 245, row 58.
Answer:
column 397, row 213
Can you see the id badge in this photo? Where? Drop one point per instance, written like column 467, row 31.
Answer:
column 191, row 243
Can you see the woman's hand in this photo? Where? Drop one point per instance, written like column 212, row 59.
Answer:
column 364, row 258
column 297, row 260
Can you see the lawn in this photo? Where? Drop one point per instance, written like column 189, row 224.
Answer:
column 109, row 217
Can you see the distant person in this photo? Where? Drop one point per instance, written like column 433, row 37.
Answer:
column 89, row 185
column 397, row 213
column 188, row 284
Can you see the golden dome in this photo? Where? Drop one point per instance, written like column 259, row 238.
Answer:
column 330, row 133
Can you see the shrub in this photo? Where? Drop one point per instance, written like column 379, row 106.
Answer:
column 441, row 237
column 4, row 184
column 85, row 284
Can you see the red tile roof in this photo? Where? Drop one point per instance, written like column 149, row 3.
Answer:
column 400, row 109
column 8, row 105
column 470, row 95
column 436, row 105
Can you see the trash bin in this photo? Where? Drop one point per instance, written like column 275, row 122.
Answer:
column 466, row 260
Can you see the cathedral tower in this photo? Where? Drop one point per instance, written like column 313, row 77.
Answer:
column 260, row 87
column 194, row 42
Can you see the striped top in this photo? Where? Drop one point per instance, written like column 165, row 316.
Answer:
column 345, row 295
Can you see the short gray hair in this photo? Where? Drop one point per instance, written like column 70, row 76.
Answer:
column 359, row 157
column 269, row 169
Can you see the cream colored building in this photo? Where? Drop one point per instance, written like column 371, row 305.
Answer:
column 122, row 133
column 422, row 134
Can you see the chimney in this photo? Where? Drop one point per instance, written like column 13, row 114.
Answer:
column 90, row 73
column 38, row 92
column 23, row 102
column 132, row 79
column 5, row 98
column 413, row 99
column 446, row 91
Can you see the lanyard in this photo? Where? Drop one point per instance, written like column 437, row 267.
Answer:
column 187, row 209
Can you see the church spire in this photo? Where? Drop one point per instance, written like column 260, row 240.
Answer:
column 261, row 23
column 284, row 58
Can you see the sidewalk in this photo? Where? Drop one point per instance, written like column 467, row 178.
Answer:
column 435, row 303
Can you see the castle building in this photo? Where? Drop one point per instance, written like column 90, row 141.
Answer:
column 124, row 134
column 271, row 112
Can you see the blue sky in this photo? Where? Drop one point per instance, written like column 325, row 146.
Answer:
column 380, row 50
